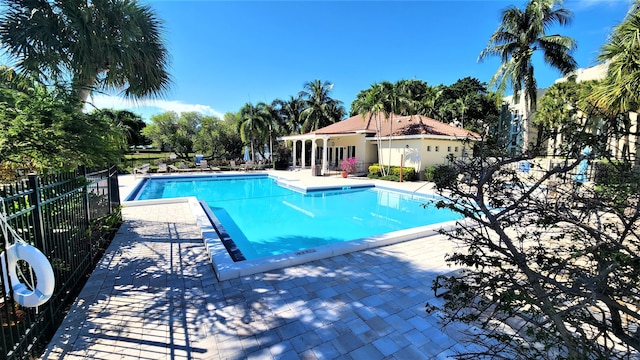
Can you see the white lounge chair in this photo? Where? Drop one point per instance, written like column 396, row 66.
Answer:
column 162, row 168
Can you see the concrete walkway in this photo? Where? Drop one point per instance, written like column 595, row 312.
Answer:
column 155, row 296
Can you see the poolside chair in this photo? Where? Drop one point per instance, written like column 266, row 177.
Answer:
column 248, row 165
column 142, row 170
column 162, row 168
column 173, row 168
column 233, row 165
column 203, row 165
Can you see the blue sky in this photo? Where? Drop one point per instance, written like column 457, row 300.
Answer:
column 227, row 53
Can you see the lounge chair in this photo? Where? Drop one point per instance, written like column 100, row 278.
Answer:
column 248, row 165
column 142, row 170
column 233, row 165
column 203, row 165
column 180, row 169
column 162, row 168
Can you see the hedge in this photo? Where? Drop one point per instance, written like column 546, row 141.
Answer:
column 408, row 173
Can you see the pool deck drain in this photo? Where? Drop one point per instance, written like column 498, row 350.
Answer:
column 154, row 295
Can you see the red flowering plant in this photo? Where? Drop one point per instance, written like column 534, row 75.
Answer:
column 349, row 165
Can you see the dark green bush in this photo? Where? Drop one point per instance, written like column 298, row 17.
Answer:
column 444, row 176
column 408, row 173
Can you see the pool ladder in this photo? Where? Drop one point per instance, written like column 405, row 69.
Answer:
column 421, row 186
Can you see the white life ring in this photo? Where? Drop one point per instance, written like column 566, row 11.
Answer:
column 45, row 283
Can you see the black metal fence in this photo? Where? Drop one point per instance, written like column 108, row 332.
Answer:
column 57, row 214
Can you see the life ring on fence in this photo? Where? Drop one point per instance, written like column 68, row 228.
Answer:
column 45, row 283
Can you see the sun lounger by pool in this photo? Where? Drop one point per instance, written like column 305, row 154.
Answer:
column 142, row 170
column 162, row 168
column 177, row 169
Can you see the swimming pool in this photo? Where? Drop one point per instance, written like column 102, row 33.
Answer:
column 267, row 223
column 265, row 219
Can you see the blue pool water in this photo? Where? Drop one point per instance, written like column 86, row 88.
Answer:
column 265, row 219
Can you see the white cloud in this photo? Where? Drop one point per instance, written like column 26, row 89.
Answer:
column 149, row 107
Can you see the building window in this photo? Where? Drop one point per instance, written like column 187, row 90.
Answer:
column 455, row 149
column 448, row 148
column 351, row 151
column 428, row 148
column 437, row 148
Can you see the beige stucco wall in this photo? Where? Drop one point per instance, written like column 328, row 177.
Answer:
column 417, row 153
column 421, row 153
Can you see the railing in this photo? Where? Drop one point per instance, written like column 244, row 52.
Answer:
column 54, row 213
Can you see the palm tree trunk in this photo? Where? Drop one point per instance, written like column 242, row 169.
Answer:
column 379, row 143
column 83, row 87
column 253, row 154
column 390, row 134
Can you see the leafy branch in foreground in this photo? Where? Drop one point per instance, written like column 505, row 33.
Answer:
column 552, row 266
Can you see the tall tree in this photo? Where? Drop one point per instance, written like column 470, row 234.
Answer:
column 253, row 122
column 103, row 44
column 290, row 113
column 521, row 33
column 551, row 267
column 132, row 123
column 41, row 129
column 370, row 104
column 619, row 91
column 177, row 132
column 320, row 109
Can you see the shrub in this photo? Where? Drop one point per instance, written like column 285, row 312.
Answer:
column 444, row 176
column 375, row 170
column 390, row 178
column 349, row 165
column 408, row 173
column 429, row 173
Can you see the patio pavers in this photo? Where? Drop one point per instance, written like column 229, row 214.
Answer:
column 154, row 295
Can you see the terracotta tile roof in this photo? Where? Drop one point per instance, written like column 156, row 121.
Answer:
column 402, row 125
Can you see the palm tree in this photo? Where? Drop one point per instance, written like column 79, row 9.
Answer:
column 253, row 122
column 110, row 45
column 290, row 113
column 619, row 91
column 397, row 99
column 521, row 33
column 371, row 103
column 320, row 109
column 428, row 105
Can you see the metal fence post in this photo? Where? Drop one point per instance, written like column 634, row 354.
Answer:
column 114, row 188
column 38, row 224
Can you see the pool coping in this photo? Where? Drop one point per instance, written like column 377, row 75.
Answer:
column 226, row 269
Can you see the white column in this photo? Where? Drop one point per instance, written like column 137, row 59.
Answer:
column 324, row 155
column 314, row 149
column 304, row 151
column 293, row 155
